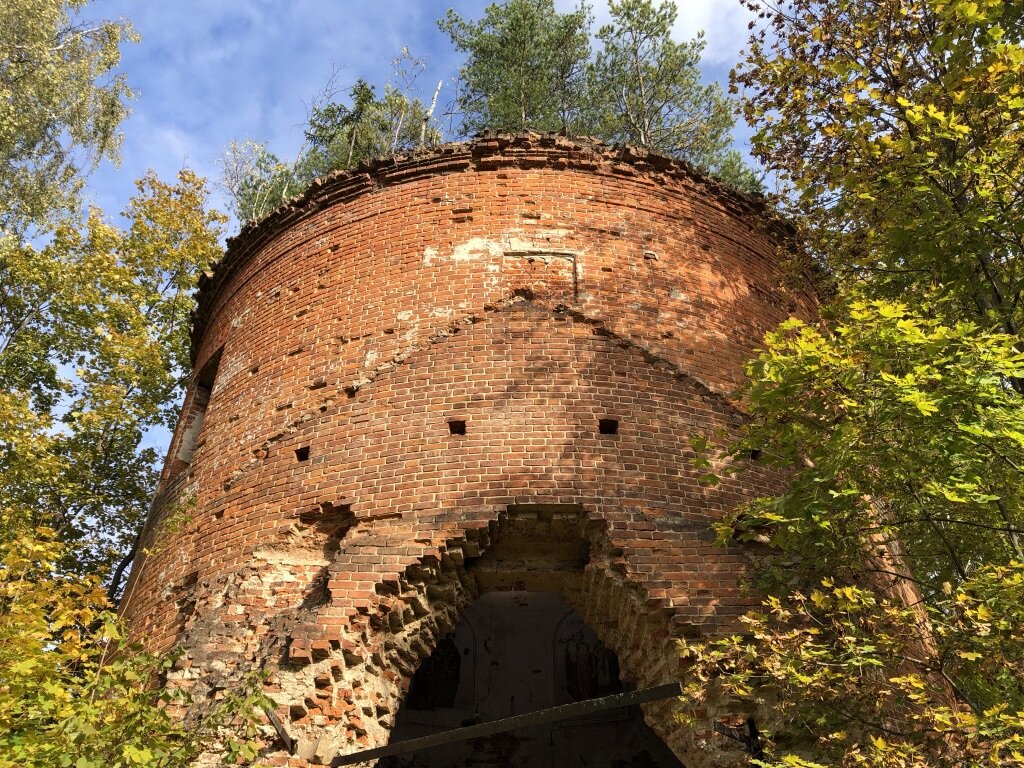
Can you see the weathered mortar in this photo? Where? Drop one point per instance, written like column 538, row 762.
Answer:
column 528, row 286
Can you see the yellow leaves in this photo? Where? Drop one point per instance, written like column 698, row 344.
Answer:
column 848, row 594
column 968, row 12
column 138, row 756
column 889, row 309
column 820, row 599
column 969, row 655
column 912, row 681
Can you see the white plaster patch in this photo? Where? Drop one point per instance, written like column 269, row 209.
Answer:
column 240, row 317
column 544, row 245
column 477, row 248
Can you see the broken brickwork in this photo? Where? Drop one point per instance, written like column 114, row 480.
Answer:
column 582, row 310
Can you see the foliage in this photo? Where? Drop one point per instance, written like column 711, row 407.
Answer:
column 60, row 106
column 906, row 448
column 896, row 127
column 93, row 343
column 646, row 90
column 836, row 671
column 338, row 135
column 525, row 68
column 70, row 697
column 893, row 570
column 255, row 179
column 92, row 318
column 342, row 136
column 529, row 67
column 933, row 434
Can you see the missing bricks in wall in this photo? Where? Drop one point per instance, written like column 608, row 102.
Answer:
column 302, row 454
column 608, row 426
column 457, row 427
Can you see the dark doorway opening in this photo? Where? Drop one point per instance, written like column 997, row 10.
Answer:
column 516, row 652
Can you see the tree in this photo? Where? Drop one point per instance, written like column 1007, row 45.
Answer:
column 255, row 179
column 68, row 699
column 93, row 349
column 905, row 448
column 337, row 136
column 525, row 66
column 60, row 106
column 893, row 563
column 895, row 127
column 646, row 88
column 341, row 136
column 529, row 67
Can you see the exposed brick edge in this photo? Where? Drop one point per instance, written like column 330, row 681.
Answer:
column 515, row 300
column 486, row 152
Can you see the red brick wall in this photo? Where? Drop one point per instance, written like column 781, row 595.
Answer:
column 528, row 286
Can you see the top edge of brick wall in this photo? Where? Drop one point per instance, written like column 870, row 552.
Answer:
column 487, row 151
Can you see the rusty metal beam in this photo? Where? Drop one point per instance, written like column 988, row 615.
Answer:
column 540, row 717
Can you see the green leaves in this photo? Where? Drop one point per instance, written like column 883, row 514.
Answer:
column 93, row 345
column 529, row 67
column 647, row 89
column 60, row 107
column 70, row 697
column 525, row 67
column 338, row 135
column 894, row 127
column 94, row 341
column 899, row 432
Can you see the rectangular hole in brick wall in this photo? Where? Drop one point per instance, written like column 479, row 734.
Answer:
column 608, row 426
column 302, row 454
column 457, row 427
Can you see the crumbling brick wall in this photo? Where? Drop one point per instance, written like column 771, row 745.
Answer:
column 327, row 516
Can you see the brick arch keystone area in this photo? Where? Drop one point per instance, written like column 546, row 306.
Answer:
column 398, row 368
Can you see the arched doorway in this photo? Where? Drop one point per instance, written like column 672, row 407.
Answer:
column 487, row 630
column 514, row 652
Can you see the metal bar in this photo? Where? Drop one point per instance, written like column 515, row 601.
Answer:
column 541, row 716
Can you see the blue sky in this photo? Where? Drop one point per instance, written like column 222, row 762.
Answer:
column 210, row 71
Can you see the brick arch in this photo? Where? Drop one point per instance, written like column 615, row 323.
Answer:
column 369, row 663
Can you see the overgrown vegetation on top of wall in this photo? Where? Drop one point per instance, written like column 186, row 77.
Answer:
column 527, row 67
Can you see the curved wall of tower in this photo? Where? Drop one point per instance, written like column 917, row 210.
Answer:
column 471, row 369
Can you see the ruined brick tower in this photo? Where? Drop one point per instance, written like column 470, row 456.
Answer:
column 438, row 437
